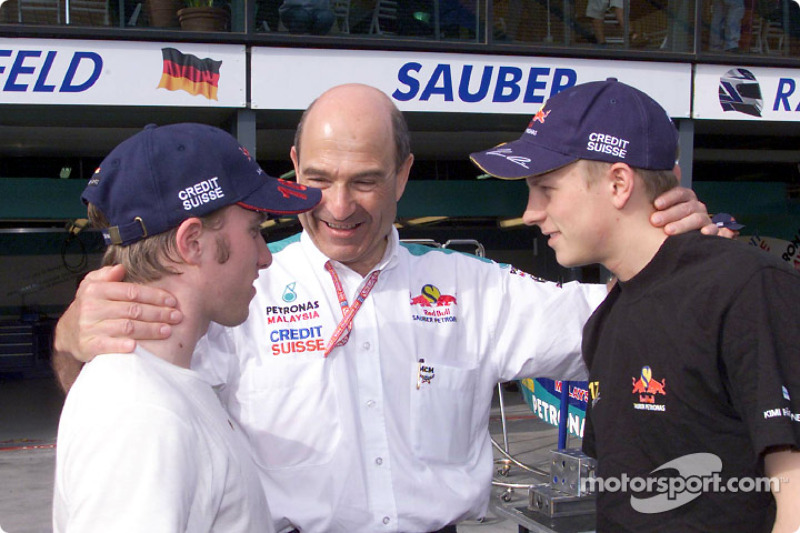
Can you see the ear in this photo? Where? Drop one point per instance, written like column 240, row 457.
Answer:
column 295, row 162
column 188, row 240
column 622, row 182
column 402, row 177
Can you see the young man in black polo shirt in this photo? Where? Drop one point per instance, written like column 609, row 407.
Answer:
column 693, row 356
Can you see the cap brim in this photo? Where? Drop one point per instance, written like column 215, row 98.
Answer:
column 281, row 197
column 519, row 160
column 734, row 226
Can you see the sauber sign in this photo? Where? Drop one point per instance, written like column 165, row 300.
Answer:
column 292, row 78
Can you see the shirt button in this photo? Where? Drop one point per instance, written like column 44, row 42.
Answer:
column 370, row 403
column 386, row 520
column 366, row 345
column 379, row 461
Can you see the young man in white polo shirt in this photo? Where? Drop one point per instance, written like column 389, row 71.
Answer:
column 143, row 442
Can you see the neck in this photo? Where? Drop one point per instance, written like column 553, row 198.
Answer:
column 635, row 244
column 362, row 269
column 179, row 346
column 365, row 266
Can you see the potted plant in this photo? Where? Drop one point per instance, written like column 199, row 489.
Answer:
column 163, row 13
column 202, row 15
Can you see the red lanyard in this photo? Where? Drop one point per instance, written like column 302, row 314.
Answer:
column 348, row 311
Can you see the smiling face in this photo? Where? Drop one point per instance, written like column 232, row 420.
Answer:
column 569, row 210
column 347, row 151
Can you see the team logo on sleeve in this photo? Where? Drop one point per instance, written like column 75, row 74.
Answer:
column 784, row 411
column 431, row 305
column 647, row 389
column 517, row 272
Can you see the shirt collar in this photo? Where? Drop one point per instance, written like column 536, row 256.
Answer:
column 664, row 263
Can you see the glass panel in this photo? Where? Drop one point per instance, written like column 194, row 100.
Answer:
column 47, row 12
column 214, row 15
column 758, row 27
column 159, row 14
column 614, row 24
column 750, row 27
column 461, row 20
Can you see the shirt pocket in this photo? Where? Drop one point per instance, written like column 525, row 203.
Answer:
column 291, row 413
column 441, row 413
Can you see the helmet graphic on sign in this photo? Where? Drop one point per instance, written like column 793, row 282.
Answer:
column 739, row 91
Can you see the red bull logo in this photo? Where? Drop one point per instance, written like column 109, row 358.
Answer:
column 431, row 306
column 648, row 389
column 539, row 117
column 445, row 300
column 430, row 296
column 420, row 300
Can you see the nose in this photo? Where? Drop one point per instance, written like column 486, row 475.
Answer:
column 534, row 212
column 264, row 255
column 338, row 201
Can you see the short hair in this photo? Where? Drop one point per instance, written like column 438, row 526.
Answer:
column 656, row 182
column 146, row 260
column 402, row 139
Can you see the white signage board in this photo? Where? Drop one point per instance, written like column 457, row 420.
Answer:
column 286, row 78
column 120, row 73
column 726, row 92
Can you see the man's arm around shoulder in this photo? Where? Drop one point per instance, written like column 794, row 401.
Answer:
column 109, row 316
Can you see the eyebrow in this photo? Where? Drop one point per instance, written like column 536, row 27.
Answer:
column 370, row 173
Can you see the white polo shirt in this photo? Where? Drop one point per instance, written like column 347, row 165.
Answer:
column 144, row 445
column 370, row 439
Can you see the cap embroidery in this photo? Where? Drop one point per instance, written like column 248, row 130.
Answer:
column 539, row 117
column 201, row 193
column 516, row 159
column 607, row 144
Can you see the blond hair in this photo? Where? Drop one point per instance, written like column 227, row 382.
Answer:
column 149, row 259
column 656, row 182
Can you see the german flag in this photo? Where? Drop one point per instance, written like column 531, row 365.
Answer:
column 189, row 73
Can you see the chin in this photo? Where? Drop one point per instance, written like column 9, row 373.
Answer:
column 575, row 263
column 568, row 262
column 233, row 321
column 342, row 254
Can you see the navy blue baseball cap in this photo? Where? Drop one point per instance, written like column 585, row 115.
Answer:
column 161, row 176
column 600, row 121
column 726, row 220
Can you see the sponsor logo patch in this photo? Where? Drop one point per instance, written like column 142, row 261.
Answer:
column 647, row 389
column 432, row 306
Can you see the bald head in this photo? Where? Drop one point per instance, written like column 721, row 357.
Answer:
column 348, row 152
column 356, row 103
